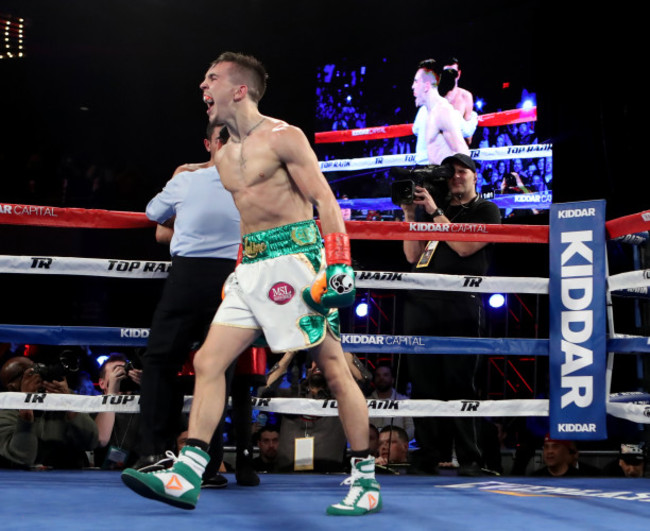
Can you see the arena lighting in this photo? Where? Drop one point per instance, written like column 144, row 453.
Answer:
column 12, row 35
column 101, row 360
column 528, row 100
column 496, row 300
column 362, row 309
column 479, row 104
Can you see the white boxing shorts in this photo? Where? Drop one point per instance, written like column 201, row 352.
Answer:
column 265, row 290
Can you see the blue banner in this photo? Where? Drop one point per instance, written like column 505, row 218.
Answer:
column 577, row 327
column 74, row 335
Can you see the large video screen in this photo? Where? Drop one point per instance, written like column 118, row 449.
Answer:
column 368, row 127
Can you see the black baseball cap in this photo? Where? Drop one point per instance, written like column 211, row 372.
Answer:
column 461, row 158
column 632, row 453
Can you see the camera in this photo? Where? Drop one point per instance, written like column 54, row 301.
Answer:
column 433, row 177
column 67, row 363
column 511, row 181
column 127, row 385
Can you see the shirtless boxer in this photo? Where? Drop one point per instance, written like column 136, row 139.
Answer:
column 288, row 286
column 443, row 136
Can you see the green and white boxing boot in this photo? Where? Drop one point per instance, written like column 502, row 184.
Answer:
column 179, row 485
column 364, row 495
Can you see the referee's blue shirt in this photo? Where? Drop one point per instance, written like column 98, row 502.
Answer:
column 207, row 221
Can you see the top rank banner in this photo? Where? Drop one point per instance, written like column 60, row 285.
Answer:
column 577, row 335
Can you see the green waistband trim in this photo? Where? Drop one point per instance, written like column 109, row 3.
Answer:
column 300, row 237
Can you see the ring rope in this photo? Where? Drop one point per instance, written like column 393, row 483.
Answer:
column 92, row 267
column 294, row 406
column 81, row 218
column 629, row 280
column 475, row 232
column 366, row 230
column 513, row 116
column 634, row 412
column 631, row 283
column 141, row 269
column 408, row 159
column 628, row 225
column 32, row 215
column 365, row 343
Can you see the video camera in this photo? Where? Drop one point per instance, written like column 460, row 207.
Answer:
column 68, row 363
column 433, row 177
column 127, row 385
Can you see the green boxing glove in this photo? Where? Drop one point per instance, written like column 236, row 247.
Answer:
column 334, row 286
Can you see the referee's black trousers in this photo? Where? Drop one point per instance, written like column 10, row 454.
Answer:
column 189, row 301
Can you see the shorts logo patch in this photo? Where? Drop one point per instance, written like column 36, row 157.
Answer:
column 252, row 249
column 304, row 235
column 281, row 293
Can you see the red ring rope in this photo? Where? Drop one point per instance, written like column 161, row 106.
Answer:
column 513, row 116
column 46, row 216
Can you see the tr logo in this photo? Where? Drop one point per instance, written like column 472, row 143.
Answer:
column 41, row 263
column 470, row 405
column 35, row 398
column 472, row 282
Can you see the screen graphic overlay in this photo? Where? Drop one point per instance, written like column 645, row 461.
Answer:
column 364, row 122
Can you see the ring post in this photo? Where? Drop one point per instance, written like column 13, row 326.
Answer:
column 577, row 327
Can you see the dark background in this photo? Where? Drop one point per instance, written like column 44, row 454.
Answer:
column 136, row 67
column 116, row 84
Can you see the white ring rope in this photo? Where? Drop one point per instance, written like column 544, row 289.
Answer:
column 639, row 413
column 147, row 269
column 142, row 269
column 444, row 282
column 89, row 267
column 629, row 280
column 408, row 159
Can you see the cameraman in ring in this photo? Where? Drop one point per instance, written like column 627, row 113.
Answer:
column 118, row 432
column 41, row 439
column 443, row 313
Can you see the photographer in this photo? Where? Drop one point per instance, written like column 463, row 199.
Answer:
column 438, row 313
column 53, row 439
column 324, row 434
column 512, row 184
column 118, row 432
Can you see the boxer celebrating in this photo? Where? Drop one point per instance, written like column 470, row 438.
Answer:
column 287, row 287
column 442, row 131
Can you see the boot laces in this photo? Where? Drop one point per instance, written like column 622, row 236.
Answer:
column 355, row 490
column 166, row 462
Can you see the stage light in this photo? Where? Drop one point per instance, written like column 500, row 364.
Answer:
column 13, row 37
column 101, row 360
column 497, row 300
column 362, row 309
column 528, row 100
column 479, row 104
